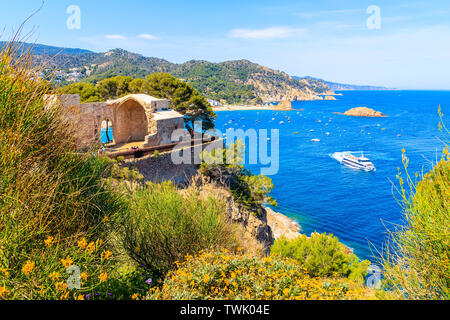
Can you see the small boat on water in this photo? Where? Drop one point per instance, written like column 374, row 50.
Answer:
column 361, row 163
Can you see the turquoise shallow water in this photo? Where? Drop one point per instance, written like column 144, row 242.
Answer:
column 313, row 188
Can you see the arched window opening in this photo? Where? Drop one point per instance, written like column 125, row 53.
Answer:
column 107, row 133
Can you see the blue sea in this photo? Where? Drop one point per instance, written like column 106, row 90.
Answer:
column 314, row 189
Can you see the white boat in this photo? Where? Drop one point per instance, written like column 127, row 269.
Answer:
column 361, row 163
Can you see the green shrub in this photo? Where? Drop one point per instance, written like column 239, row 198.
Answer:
column 321, row 255
column 125, row 174
column 164, row 225
column 222, row 275
column 156, row 154
column 416, row 262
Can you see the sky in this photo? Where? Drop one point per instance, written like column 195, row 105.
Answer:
column 394, row 43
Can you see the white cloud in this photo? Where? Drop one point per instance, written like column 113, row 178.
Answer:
column 115, row 37
column 268, row 33
column 147, row 36
column 315, row 14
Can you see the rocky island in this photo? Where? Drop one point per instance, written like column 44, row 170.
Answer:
column 362, row 112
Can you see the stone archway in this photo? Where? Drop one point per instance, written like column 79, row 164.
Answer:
column 131, row 122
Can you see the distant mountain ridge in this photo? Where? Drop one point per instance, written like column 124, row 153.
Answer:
column 230, row 82
column 341, row 86
column 41, row 49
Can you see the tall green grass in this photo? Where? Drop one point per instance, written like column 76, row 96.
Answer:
column 417, row 260
column 50, row 198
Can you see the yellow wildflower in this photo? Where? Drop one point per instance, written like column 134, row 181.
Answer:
column 28, row 267
column 60, row 286
column 135, row 296
column 106, row 254
column 3, row 291
column 64, row 296
column 54, row 276
column 67, row 262
column 91, row 247
column 103, row 277
column 206, row 278
column 48, row 242
column 82, row 243
column 83, row 276
column 5, row 272
column 80, row 297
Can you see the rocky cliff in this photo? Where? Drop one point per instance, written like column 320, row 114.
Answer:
column 256, row 233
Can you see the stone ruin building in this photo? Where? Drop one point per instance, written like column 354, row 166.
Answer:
column 134, row 118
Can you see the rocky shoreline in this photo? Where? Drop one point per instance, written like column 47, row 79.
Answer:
column 281, row 106
column 282, row 225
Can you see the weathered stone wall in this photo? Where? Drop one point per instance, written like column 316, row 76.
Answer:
column 162, row 131
column 86, row 120
column 132, row 117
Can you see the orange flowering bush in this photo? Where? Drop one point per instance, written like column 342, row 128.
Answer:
column 228, row 276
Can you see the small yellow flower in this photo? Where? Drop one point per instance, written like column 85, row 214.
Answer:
column 91, row 247
column 3, row 291
column 83, row 276
column 28, row 267
column 61, row 286
column 82, row 243
column 54, row 276
column 103, row 277
column 135, row 296
column 64, row 296
column 67, row 262
column 106, row 254
column 206, row 278
column 80, row 297
column 48, row 242
column 5, row 272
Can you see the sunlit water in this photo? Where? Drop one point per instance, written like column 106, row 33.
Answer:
column 318, row 192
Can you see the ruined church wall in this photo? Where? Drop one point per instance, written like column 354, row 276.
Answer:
column 86, row 120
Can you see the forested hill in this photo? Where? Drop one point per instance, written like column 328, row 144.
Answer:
column 239, row 81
